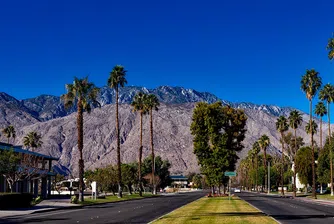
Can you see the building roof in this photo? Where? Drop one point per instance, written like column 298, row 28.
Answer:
column 178, row 177
column 19, row 149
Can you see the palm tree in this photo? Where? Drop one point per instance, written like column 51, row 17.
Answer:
column 116, row 80
column 295, row 119
column 320, row 110
column 310, row 84
column 264, row 142
column 327, row 94
column 32, row 140
column 330, row 48
column 282, row 126
column 152, row 103
column 82, row 93
column 9, row 132
column 256, row 149
column 139, row 104
column 311, row 128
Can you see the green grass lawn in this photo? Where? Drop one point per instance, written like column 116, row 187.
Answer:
column 324, row 196
column 125, row 197
column 216, row 210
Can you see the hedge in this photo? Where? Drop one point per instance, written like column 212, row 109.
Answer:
column 15, row 200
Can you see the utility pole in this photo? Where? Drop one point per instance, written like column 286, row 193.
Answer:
column 268, row 177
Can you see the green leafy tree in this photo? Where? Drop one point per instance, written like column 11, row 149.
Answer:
column 9, row 132
column 304, row 165
column 197, row 180
column 218, row 134
column 82, row 93
column 323, row 168
column 292, row 144
column 116, row 80
column 282, row 126
column 310, row 85
column 162, row 168
column 327, row 94
column 9, row 164
column 129, row 176
column 139, row 104
column 32, row 140
column 152, row 104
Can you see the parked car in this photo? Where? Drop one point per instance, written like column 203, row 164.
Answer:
column 237, row 190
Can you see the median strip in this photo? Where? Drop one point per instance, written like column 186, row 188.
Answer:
column 216, row 210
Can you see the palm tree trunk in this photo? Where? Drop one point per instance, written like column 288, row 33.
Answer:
column 153, row 158
column 257, row 168
column 80, row 148
column 282, row 169
column 140, row 153
column 294, row 167
column 314, row 195
column 320, row 133
column 331, row 153
column 119, row 172
column 265, row 166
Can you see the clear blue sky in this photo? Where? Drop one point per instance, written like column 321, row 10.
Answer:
column 251, row 51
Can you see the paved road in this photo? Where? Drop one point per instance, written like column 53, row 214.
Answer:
column 138, row 211
column 288, row 210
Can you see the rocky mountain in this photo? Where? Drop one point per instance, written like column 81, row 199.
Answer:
column 47, row 107
column 173, row 140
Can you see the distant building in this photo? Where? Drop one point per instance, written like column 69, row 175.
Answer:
column 39, row 167
column 179, row 181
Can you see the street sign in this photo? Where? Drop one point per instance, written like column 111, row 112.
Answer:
column 230, row 174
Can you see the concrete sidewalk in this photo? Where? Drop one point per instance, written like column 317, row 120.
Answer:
column 45, row 205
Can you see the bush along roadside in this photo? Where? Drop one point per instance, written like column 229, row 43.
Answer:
column 15, row 200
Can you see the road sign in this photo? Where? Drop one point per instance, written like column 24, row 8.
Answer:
column 230, row 174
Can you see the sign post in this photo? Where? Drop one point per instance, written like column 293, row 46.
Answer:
column 229, row 174
column 93, row 184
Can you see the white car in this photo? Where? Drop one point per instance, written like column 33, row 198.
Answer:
column 237, row 190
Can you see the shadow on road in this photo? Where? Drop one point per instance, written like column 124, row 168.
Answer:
column 300, row 217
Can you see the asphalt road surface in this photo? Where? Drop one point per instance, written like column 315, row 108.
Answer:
column 288, row 210
column 137, row 211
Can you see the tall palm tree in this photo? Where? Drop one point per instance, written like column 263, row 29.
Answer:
column 320, row 110
column 327, row 94
column 282, row 126
column 116, row 80
column 264, row 142
column 139, row 104
column 32, row 140
column 311, row 128
column 82, row 93
column 9, row 132
column 310, row 84
column 152, row 103
column 330, row 48
column 256, row 149
column 295, row 119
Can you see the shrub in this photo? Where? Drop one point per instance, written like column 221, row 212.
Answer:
column 37, row 200
column 15, row 200
column 328, row 189
column 74, row 200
